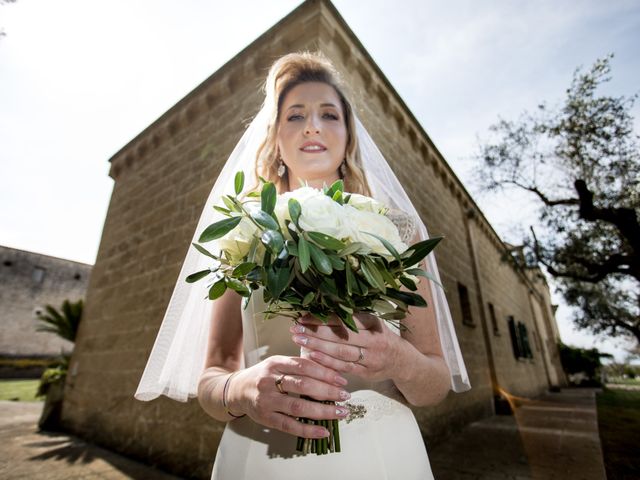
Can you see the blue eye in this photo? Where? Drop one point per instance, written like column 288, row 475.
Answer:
column 294, row 116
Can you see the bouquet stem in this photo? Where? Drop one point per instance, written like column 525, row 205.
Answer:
column 320, row 446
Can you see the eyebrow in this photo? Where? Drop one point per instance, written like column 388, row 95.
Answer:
column 298, row 105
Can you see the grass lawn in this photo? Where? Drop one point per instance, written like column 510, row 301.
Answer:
column 19, row 390
column 619, row 424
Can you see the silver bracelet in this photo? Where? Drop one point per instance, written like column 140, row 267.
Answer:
column 224, row 397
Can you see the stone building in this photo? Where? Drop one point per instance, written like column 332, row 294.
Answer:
column 503, row 317
column 28, row 282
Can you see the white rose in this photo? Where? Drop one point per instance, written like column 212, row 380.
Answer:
column 322, row 214
column 238, row 241
column 362, row 221
column 365, row 204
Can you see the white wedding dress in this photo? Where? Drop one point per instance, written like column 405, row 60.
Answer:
column 384, row 444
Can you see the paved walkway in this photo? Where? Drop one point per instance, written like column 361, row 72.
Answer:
column 26, row 453
column 549, row 438
column 553, row 437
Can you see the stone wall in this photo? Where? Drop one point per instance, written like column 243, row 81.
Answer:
column 28, row 282
column 162, row 178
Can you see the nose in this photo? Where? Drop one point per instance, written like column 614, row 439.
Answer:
column 312, row 125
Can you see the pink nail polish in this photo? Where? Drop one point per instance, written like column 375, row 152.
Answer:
column 300, row 339
column 344, row 395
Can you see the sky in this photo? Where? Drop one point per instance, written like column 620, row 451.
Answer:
column 79, row 79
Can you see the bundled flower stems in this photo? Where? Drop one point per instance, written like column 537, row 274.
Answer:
column 313, row 251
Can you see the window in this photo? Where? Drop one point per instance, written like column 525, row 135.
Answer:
column 465, row 306
column 38, row 275
column 494, row 322
column 519, row 339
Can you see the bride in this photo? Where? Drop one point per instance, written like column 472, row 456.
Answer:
column 252, row 372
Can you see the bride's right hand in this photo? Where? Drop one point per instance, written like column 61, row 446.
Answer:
column 253, row 391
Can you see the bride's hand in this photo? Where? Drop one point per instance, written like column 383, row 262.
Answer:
column 370, row 354
column 254, row 391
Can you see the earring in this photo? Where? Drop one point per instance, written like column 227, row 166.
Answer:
column 282, row 168
column 343, row 168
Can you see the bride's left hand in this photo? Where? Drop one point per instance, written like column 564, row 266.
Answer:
column 371, row 353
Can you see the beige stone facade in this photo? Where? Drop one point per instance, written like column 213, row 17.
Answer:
column 162, row 178
column 28, row 282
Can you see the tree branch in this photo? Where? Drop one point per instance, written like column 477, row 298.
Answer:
column 546, row 200
column 625, row 219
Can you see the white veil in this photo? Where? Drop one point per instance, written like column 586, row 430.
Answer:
column 178, row 355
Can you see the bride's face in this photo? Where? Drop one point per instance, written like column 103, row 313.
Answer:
column 312, row 134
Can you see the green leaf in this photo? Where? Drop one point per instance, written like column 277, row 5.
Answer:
column 336, row 262
column 347, row 319
column 264, row 220
column 419, row 250
column 326, row 241
column 291, row 247
column 352, row 285
column 238, row 286
column 277, row 280
column 204, row 251
column 222, row 210
column 228, row 201
column 425, row 274
column 304, row 254
column 354, row 247
column 253, row 194
column 387, row 245
column 308, row 298
column 239, row 182
column 243, row 269
column 383, row 307
column 268, row 197
column 337, row 186
column 273, row 240
column 407, row 297
column 217, row 289
column 337, row 197
column 386, row 276
column 407, row 282
column 371, row 273
column 219, row 229
column 194, row 277
column 320, row 260
column 294, row 210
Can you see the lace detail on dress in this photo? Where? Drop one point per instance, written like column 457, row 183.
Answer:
column 372, row 405
column 406, row 224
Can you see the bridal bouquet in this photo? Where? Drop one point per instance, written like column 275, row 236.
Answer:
column 313, row 251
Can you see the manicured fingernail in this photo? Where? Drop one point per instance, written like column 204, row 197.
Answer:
column 322, row 432
column 344, row 395
column 342, row 411
column 300, row 339
column 341, row 380
column 298, row 329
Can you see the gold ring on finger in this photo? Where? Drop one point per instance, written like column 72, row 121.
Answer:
column 279, row 384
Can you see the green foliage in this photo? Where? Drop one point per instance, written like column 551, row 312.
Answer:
column 311, row 271
column 63, row 323
column 581, row 162
column 577, row 360
column 618, row 425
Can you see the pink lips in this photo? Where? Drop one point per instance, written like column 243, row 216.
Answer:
column 308, row 144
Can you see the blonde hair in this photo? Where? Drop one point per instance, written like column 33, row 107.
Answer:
column 286, row 73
